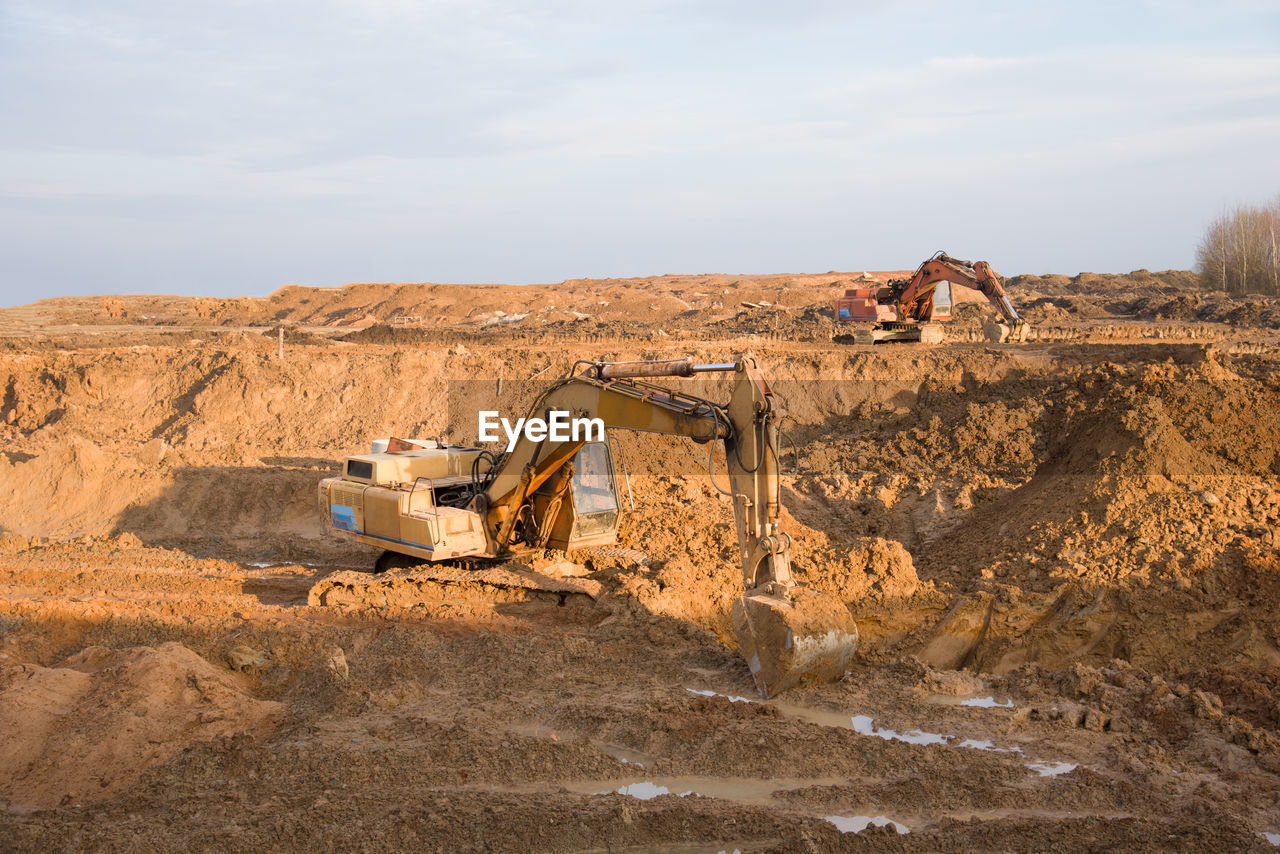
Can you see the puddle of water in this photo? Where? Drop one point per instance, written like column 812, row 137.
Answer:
column 276, row 564
column 983, row 744
column 686, row 848
column 1051, row 769
column 646, row 791
column 863, row 725
column 859, row 823
column 978, row 744
column 758, row 792
column 989, row 702
column 1273, row 838
column 821, row 717
column 730, row 697
column 623, row 754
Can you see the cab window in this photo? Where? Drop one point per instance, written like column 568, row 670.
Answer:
column 593, row 490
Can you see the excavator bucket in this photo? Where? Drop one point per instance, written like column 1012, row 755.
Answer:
column 793, row 637
column 1007, row 332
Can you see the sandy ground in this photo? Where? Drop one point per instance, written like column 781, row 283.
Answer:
column 1062, row 557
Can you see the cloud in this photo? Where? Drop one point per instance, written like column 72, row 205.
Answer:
column 661, row 134
column 967, row 63
column 1054, row 102
column 278, row 85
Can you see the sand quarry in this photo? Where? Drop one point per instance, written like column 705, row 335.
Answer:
column 1062, row 557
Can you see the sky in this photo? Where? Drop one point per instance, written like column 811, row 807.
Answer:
column 230, row 148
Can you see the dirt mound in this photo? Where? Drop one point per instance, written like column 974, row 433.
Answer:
column 1141, row 473
column 89, row 727
column 1121, row 697
column 1180, row 307
column 1128, row 435
column 293, row 335
column 72, row 489
column 877, row 571
column 1213, row 307
column 381, row 333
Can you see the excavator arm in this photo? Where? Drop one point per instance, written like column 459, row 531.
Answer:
column 788, row 634
column 615, row 394
column 916, row 299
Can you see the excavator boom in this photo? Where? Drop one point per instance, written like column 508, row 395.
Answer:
column 916, row 300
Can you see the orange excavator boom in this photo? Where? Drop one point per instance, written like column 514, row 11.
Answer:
column 916, row 301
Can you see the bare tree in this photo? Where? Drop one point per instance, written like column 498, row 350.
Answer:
column 1213, row 253
column 1240, row 251
column 1273, row 231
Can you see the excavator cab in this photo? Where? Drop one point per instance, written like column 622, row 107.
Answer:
column 942, row 301
column 587, row 513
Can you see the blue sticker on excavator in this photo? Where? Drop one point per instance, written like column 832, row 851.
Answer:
column 343, row 517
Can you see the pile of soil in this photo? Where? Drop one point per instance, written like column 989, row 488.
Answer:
column 88, row 727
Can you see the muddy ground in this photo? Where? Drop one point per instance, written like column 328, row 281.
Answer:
column 1062, row 557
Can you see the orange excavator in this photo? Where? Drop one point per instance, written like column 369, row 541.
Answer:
column 912, row 309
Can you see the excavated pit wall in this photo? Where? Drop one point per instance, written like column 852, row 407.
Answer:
column 101, row 432
column 923, row 474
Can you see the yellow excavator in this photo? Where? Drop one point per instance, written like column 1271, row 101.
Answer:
column 432, row 502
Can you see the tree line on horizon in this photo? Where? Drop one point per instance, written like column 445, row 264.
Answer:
column 1240, row 251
